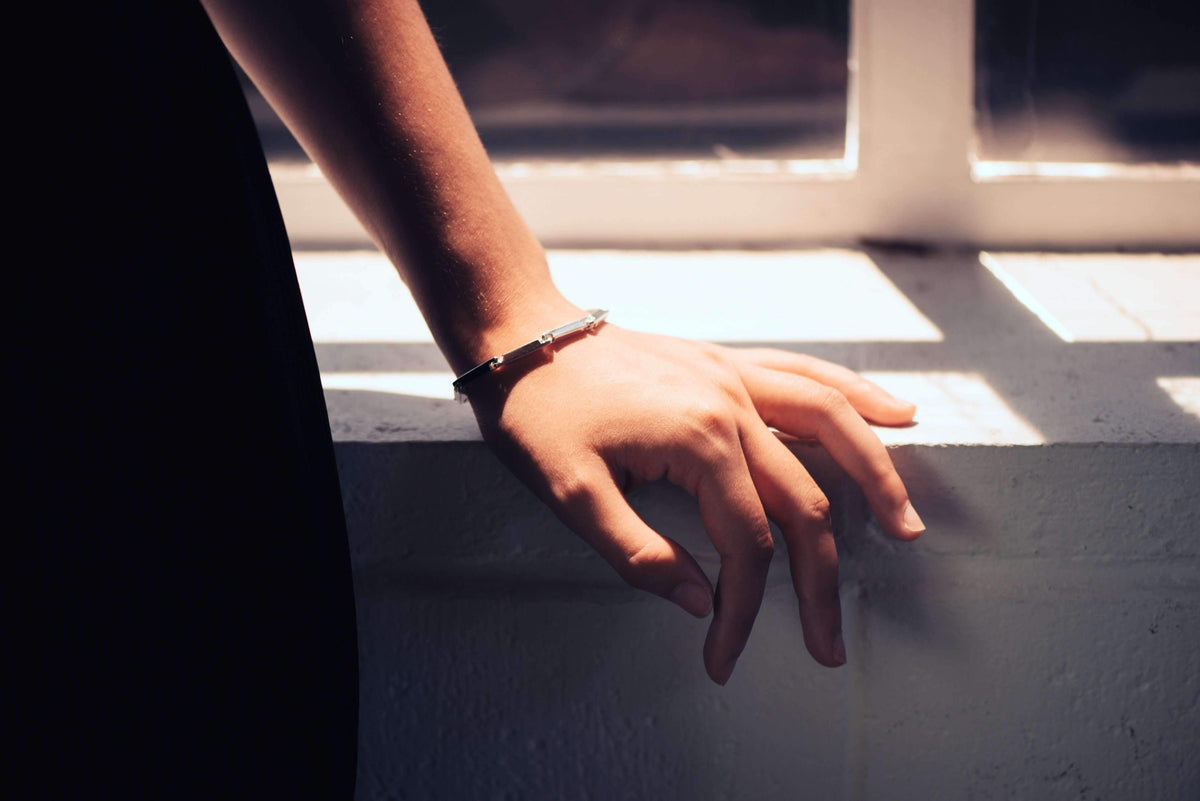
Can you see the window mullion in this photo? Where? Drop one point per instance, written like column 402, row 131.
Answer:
column 914, row 61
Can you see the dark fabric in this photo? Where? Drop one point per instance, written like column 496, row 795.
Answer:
column 192, row 620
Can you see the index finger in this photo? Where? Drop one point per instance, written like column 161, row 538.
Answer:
column 737, row 526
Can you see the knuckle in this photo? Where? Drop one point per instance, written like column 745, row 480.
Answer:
column 883, row 472
column 711, row 427
column 815, row 511
column 809, row 514
column 831, row 403
column 725, row 377
column 707, row 418
column 571, row 491
column 640, row 568
column 761, row 547
column 722, row 371
column 730, row 383
column 756, row 547
column 715, row 354
column 832, row 407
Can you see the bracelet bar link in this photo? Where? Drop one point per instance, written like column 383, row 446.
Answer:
column 594, row 318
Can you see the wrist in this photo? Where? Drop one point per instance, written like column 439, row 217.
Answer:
column 484, row 295
column 511, row 319
column 545, row 339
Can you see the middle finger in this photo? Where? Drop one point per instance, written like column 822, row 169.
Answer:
column 794, row 501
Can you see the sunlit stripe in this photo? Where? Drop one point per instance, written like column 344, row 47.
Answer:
column 825, row 168
column 715, row 168
column 953, row 408
column 1184, row 390
column 1025, row 297
column 419, row 384
column 993, row 170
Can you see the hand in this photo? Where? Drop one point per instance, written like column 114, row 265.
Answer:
column 616, row 408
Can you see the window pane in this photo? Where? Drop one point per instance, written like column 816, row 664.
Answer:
column 1088, row 80
column 678, row 79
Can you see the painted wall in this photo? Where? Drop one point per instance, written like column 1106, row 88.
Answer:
column 1042, row 640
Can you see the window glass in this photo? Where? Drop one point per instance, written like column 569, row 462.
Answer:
column 642, row 79
column 1088, row 80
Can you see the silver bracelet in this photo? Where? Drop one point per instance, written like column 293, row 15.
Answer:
column 583, row 324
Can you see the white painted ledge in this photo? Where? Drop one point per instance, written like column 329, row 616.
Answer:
column 1039, row 641
column 1054, row 349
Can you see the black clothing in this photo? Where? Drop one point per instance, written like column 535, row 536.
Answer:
column 178, row 471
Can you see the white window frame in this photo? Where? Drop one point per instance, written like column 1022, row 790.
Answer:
column 910, row 173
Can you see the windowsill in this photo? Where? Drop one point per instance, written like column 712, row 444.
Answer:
column 985, row 360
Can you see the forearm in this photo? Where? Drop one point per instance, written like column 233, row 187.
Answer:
column 364, row 88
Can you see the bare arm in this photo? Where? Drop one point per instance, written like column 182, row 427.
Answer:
column 363, row 86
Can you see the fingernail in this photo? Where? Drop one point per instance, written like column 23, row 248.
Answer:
column 839, row 649
column 912, row 521
column 692, row 598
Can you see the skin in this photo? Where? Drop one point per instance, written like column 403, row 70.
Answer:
column 364, row 88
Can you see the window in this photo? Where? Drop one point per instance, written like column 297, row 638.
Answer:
column 1073, row 81
column 603, row 157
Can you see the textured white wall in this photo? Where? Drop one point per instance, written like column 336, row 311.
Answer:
column 1040, row 641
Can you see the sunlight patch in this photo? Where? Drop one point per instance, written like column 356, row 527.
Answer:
column 1105, row 297
column 953, row 409
column 357, row 297
column 1185, row 391
column 744, row 296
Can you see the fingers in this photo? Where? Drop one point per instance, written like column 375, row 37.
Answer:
column 737, row 526
column 804, row 408
column 868, row 399
column 717, row 474
column 592, row 506
column 793, row 500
